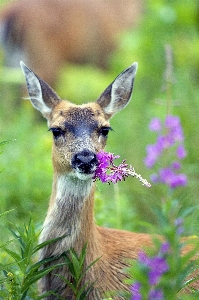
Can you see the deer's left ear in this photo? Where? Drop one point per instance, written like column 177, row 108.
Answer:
column 42, row 96
column 117, row 95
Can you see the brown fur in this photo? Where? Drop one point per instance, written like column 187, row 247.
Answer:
column 48, row 33
column 71, row 207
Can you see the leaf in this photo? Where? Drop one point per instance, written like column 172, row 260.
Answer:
column 88, row 267
column 27, row 253
column 68, row 282
column 6, row 212
column 16, row 257
column 29, row 281
column 70, row 265
column 83, row 255
column 6, row 142
column 188, row 272
column 77, row 267
column 7, row 243
column 42, row 245
column 48, row 294
column 85, row 293
column 92, row 264
column 40, row 263
column 18, row 237
column 4, row 268
column 189, row 211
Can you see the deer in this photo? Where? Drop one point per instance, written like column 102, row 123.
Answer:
column 46, row 34
column 79, row 133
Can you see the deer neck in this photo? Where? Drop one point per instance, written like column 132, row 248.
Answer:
column 70, row 214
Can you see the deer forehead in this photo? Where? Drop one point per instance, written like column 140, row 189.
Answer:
column 70, row 116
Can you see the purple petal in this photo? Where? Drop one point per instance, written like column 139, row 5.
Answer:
column 153, row 153
column 172, row 179
column 181, row 152
column 143, row 258
column 158, row 266
column 172, row 121
column 135, row 290
column 154, row 178
column 176, row 165
column 115, row 177
column 178, row 134
column 178, row 180
column 179, row 226
column 165, row 142
column 156, row 295
column 166, row 175
column 155, row 124
column 165, row 247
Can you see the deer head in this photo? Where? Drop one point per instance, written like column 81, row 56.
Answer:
column 79, row 131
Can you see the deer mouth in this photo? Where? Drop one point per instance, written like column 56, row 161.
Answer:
column 85, row 163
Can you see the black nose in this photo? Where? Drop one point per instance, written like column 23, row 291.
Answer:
column 85, row 162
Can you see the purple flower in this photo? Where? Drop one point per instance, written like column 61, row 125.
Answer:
column 165, row 141
column 174, row 126
column 143, row 258
column 165, row 248
column 181, row 152
column 169, row 141
column 156, row 295
column 178, row 180
column 177, row 134
column 116, row 176
column 170, row 178
column 172, row 122
column 155, row 124
column 176, row 165
column 157, row 267
column 135, row 290
column 179, row 226
column 107, row 171
column 153, row 153
column 154, row 268
column 105, row 160
column 155, row 178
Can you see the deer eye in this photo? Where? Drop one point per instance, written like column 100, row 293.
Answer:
column 105, row 130
column 57, row 132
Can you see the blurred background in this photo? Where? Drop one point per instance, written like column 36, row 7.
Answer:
column 79, row 47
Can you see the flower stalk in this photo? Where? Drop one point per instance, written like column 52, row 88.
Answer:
column 108, row 172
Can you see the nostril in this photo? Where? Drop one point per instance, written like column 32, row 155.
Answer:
column 85, row 161
column 86, row 157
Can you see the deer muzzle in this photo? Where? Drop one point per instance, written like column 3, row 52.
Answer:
column 85, row 162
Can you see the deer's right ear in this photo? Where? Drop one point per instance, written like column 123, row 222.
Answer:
column 42, row 96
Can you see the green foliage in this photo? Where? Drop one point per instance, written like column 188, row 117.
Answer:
column 179, row 275
column 20, row 275
column 26, row 182
column 172, row 268
column 76, row 265
column 22, row 271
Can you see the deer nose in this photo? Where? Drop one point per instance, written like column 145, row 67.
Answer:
column 85, row 162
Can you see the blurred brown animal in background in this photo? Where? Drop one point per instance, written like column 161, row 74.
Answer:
column 47, row 33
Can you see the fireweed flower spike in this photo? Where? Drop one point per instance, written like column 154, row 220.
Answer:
column 154, row 268
column 170, row 137
column 107, row 171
